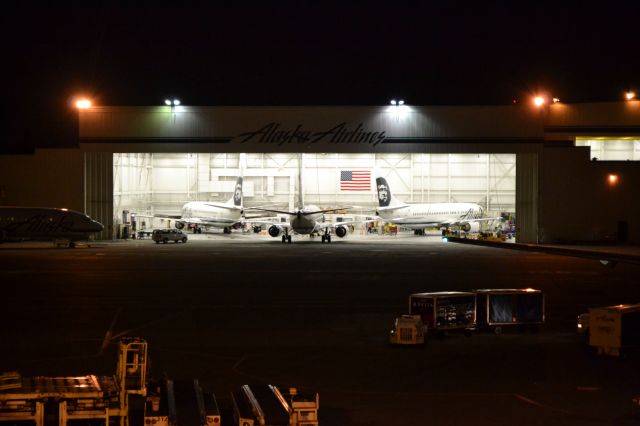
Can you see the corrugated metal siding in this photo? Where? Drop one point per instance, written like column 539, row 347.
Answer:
column 99, row 190
column 527, row 188
column 48, row 178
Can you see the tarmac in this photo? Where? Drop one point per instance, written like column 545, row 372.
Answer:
column 245, row 308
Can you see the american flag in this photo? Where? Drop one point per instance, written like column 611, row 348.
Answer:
column 355, row 180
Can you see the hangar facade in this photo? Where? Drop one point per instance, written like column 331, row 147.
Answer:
column 549, row 166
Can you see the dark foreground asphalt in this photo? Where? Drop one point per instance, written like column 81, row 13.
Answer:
column 248, row 309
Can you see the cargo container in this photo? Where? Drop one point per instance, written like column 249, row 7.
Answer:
column 499, row 308
column 614, row 329
column 445, row 310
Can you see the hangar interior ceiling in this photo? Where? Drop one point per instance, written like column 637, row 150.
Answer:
column 149, row 184
column 612, row 149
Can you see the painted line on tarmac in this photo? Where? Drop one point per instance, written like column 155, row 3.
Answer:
column 538, row 404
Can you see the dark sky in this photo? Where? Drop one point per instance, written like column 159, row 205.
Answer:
column 305, row 53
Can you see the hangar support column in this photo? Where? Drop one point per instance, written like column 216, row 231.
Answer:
column 527, row 197
column 98, row 190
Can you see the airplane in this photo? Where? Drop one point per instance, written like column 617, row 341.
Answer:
column 466, row 216
column 306, row 220
column 199, row 214
column 42, row 223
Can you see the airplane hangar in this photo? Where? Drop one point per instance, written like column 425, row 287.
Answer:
column 549, row 168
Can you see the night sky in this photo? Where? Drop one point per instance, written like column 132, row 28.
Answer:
column 305, row 53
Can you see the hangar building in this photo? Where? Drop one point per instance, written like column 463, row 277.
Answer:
column 565, row 172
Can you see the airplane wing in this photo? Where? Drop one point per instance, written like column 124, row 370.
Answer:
column 266, row 222
column 168, row 216
column 334, row 225
column 295, row 213
column 223, row 206
column 272, row 210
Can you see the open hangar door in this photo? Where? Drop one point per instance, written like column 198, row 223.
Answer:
column 147, row 185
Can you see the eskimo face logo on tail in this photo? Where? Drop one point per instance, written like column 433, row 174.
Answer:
column 237, row 195
column 384, row 195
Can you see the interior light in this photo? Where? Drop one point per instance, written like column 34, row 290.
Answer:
column 83, row 103
column 630, row 95
column 538, row 101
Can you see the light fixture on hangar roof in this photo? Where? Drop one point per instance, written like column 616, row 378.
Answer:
column 172, row 102
column 538, row 101
column 83, row 103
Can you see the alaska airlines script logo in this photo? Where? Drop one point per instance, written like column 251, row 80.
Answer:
column 41, row 224
column 273, row 133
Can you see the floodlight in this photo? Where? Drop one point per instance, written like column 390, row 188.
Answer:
column 556, row 100
column 83, row 103
column 393, row 102
column 538, row 101
column 176, row 102
column 167, row 102
column 630, row 95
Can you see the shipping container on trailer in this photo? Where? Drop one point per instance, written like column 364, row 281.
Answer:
column 445, row 310
column 498, row 308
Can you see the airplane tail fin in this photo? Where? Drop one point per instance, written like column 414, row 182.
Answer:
column 385, row 199
column 236, row 200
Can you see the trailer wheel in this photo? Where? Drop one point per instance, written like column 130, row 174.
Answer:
column 497, row 330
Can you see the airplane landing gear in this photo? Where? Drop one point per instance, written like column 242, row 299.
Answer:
column 226, row 230
column 326, row 237
column 286, row 238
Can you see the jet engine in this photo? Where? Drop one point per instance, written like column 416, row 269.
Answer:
column 470, row 227
column 274, row 230
column 341, row 231
column 179, row 225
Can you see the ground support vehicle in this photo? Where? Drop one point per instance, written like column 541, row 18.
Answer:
column 614, row 329
column 94, row 400
column 408, row 330
column 166, row 235
column 268, row 405
column 500, row 308
column 445, row 311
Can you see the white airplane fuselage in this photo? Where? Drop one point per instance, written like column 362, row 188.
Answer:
column 211, row 215
column 419, row 216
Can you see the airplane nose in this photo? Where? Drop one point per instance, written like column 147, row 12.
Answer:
column 96, row 226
